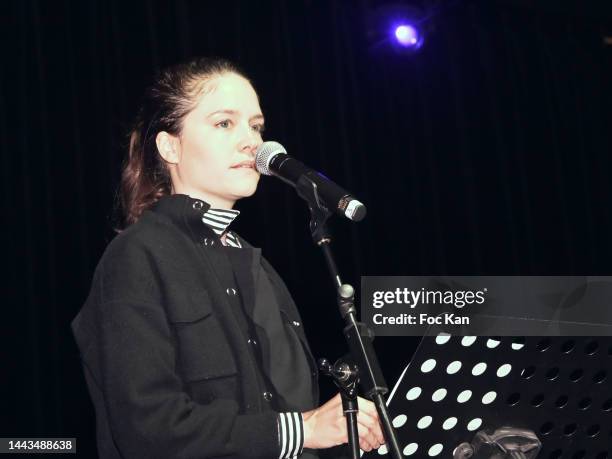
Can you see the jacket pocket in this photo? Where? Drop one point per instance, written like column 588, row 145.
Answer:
column 203, row 350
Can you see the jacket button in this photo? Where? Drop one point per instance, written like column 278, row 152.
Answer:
column 267, row 396
column 209, row 242
column 231, row 291
column 252, row 341
column 295, row 323
column 198, row 205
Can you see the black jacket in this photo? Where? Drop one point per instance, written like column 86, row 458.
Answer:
column 167, row 364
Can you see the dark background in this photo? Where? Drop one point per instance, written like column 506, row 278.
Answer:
column 487, row 153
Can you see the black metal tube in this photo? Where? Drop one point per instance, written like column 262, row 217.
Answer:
column 329, row 259
column 350, row 412
column 383, row 415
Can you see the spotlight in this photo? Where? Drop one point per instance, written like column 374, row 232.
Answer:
column 399, row 27
column 408, row 36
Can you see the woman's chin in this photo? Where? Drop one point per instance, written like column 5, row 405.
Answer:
column 246, row 190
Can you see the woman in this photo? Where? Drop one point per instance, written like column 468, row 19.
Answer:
column 191, row 344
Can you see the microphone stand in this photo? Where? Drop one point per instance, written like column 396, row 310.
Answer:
column 358, row 336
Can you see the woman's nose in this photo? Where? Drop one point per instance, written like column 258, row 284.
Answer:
column 250, row 142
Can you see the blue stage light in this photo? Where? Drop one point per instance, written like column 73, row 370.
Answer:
column 407, row 35
column 401, row 28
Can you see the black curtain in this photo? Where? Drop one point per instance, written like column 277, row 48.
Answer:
column 488, row 152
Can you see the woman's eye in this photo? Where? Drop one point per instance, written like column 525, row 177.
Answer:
column 224, row 124
column 258, row 128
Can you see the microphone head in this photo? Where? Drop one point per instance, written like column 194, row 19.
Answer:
column 264, row 155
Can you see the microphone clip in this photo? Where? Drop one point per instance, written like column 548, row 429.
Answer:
column 308, row 190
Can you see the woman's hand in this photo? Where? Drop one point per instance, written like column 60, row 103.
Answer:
column 325, row 426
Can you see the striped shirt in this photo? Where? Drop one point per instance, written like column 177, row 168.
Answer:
column 290, row 425
column 219, row 220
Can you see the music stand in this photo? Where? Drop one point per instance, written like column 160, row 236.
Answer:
column 558, row 387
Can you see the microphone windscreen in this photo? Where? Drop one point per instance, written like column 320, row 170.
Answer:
column 264, row 155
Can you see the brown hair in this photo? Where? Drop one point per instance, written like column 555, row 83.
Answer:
column 173, row 94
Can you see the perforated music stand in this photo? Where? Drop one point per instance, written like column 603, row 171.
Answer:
column 558, row 387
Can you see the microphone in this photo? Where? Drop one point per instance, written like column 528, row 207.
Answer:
column 272, row 159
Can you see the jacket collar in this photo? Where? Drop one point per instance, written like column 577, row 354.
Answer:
column 186, row 213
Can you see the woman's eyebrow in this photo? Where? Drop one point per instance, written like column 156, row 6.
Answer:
column 226, row 112
column 259, row 116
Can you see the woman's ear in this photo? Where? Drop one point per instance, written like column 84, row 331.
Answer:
column 167, row 146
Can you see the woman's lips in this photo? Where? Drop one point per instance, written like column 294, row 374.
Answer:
column 245, row 165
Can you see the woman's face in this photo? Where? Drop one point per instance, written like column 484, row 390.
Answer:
column 213, row 158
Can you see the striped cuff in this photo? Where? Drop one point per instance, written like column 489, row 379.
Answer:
column 290, row 434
